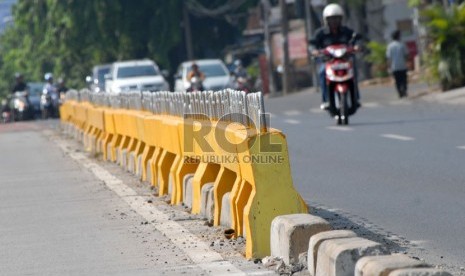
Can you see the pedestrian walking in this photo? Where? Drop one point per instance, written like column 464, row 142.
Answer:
column 397, row 58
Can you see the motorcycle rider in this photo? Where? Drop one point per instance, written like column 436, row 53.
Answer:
column 20, row 85
column 332, row 33
column 50, row 91
column 240, row 77
column 62, row 86
column 239, row 71
column 62, row 89
column 195, row 72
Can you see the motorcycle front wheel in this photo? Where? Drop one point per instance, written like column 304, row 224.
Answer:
column 344, row 109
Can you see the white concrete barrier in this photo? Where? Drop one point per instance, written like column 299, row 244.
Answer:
column 316, row 240
column 225, row 214
column 383, row 265
column 204, row 200
column 187, row 190
column 339, row 256
column 290, row 235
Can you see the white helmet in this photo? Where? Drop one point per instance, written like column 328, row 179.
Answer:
column 332, row 10
column 48, row 76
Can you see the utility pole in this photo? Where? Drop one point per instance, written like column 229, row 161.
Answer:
column 285, row 45
column 267, row 35
column 187, row 33
column 309, row 30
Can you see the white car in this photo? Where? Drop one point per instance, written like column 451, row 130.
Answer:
column 217, row 76
column 143, row 75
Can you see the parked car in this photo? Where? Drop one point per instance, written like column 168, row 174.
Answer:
column 35, row 92
column 141, row 75
column 96, row 82
column 217, row 76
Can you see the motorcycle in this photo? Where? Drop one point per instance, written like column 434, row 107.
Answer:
column 6, row 112
column 6, row 117
column 340, row 81
column 242, row 84
column 195, row 85
column 21, row 106
column 49, row 103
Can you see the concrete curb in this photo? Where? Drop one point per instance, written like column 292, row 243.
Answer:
column 316, row 240
column 419, row 272
column 290, row 235
column 383, row 265
column 335, row 252
column 339, row 256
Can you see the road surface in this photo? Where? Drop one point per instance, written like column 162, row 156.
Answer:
column 398, row 168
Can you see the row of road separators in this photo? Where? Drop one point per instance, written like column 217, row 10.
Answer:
column 216, row 137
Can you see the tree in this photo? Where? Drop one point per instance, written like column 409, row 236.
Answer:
column 68, row 37
column 446, row 51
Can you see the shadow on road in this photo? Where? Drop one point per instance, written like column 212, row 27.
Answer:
column 394, row 243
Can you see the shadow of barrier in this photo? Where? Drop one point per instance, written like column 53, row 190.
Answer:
column 211, row 151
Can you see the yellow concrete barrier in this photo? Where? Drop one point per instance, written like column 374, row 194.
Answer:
column 248, row 163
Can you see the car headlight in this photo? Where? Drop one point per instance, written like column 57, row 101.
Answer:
column 124, row 88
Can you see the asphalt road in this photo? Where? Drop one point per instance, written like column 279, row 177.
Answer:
column 397, row 170
column 398, row 166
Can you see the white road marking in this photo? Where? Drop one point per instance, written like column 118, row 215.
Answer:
column 316, row 110
column 419, row 242
column 292, row 122
column 461, row 147
column 292, row 113
column 207, row 259
column 371, row 105
column 399, row 102
column 340, row 128
column 398, row 137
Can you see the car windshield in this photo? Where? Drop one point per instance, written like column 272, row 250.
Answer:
column 213, row 70
column 136, row 71
column 35, row 89
column 101, row 75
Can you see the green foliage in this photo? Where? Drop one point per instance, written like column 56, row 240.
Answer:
column 377, row 57
column 446, row 52
column 414, row 3
column 253, row 70
column 68, row 37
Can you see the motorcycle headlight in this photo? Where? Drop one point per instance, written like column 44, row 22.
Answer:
column 338, row 53
column 20, row 105
column 16, row 103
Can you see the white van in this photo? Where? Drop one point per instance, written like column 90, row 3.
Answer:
column 141, row 75
column 217, row 76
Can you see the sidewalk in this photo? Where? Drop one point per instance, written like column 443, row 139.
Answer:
column 455, row 96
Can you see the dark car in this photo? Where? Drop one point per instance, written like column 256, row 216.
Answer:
column 35, row 92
